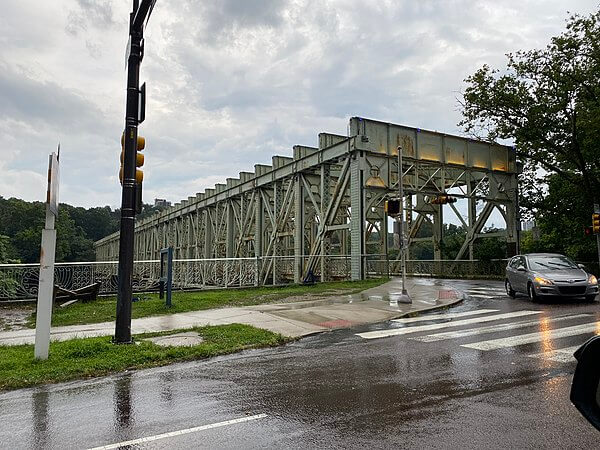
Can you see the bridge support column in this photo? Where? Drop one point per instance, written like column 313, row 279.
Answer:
column 357, row 221
column 208, row 239
column 325, row 249
column 298, row 229
column 438, row 231
column 513, row 222
column 472, row 214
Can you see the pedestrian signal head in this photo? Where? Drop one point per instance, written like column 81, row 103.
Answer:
column 392, row 207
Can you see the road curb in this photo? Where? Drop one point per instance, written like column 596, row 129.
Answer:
column 451, row 302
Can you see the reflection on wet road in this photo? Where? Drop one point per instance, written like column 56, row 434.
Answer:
column 493, row 372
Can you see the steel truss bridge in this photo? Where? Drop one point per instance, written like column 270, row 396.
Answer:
column 320, row 209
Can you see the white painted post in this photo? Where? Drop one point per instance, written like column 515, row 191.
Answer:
column 47, row 254
column 45, row 292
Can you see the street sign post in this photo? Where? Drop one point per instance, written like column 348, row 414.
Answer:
column 166, row 276
column 47, row 253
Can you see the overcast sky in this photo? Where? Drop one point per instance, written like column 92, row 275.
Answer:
column 231, row 83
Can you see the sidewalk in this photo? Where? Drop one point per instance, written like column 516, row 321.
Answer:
column 297, row 319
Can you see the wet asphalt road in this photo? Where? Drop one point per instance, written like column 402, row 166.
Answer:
column 337, row 390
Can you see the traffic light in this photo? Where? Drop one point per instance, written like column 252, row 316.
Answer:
column 139, row 158
column 596, row 223
column 442, row 199
column 587, row 231
column 392, row 207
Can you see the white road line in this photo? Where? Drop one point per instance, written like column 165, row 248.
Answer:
column 451, row 315
column 180, row 432
column 438, row 326
column 492, row 329
column 485, row 289
column 523, row 339
column 480, row 295
column 558, row 355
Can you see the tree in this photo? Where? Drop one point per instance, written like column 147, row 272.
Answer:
column 548, row 102
column 7, row 251
column 76, row 230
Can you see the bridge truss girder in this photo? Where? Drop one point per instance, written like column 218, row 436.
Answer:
column 299, row 214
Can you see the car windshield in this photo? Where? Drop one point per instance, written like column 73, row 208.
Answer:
column 551, row 262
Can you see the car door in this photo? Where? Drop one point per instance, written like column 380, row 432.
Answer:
column 520, row 275
column 511, row 269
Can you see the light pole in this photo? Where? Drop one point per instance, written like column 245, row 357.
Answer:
column 404, row 297
column 128, row 199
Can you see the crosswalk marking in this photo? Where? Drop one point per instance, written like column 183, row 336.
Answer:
column 558, row 355
column 451, row 315
column 494, row 344
column 492, row 329
column 438, row 326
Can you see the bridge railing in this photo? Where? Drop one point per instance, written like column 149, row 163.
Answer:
column 377, row 266
column 20, row 281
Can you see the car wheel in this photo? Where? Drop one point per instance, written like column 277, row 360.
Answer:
column 590, row 298
column 509, row 290
column 531, row 291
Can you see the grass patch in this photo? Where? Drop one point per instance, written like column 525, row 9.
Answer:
column 93, row 357
column 104, row 310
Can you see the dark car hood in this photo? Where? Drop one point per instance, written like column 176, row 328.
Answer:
column 563, row 274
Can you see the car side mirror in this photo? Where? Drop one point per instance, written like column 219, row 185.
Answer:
column 585, row 390
column 582, row 267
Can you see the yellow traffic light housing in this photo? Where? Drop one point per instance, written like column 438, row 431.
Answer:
column 139, row 158
column 596, row 223
column 442, row 199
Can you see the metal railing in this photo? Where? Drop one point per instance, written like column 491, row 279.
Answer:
column 20, row 281
column 491, row 269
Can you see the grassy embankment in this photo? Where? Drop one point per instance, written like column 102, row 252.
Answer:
column 104, row 309
column 92, row 357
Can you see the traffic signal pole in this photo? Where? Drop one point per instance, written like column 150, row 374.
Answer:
column 404, row 296
column 128, row 198
column 596, row 211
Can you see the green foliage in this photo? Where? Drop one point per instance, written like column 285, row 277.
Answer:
column 96, row 222
column 82, row 358
column 548, row 103
column 484, row 248
column 77, row 229
column 453, row 238
column 561, row 219
column 23, row 221
column 7, row 251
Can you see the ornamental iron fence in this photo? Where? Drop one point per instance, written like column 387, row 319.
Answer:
column 20, row 281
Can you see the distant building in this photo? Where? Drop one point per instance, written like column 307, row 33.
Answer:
column 527, row 226
column 161, row 203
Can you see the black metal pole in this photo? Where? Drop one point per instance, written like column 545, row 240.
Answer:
column 123, row 322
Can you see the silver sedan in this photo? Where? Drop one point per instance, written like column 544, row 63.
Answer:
column 549, row 274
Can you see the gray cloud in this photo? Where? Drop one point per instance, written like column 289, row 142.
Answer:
column 231, row 83
column 46, row 103
column 89, row 14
